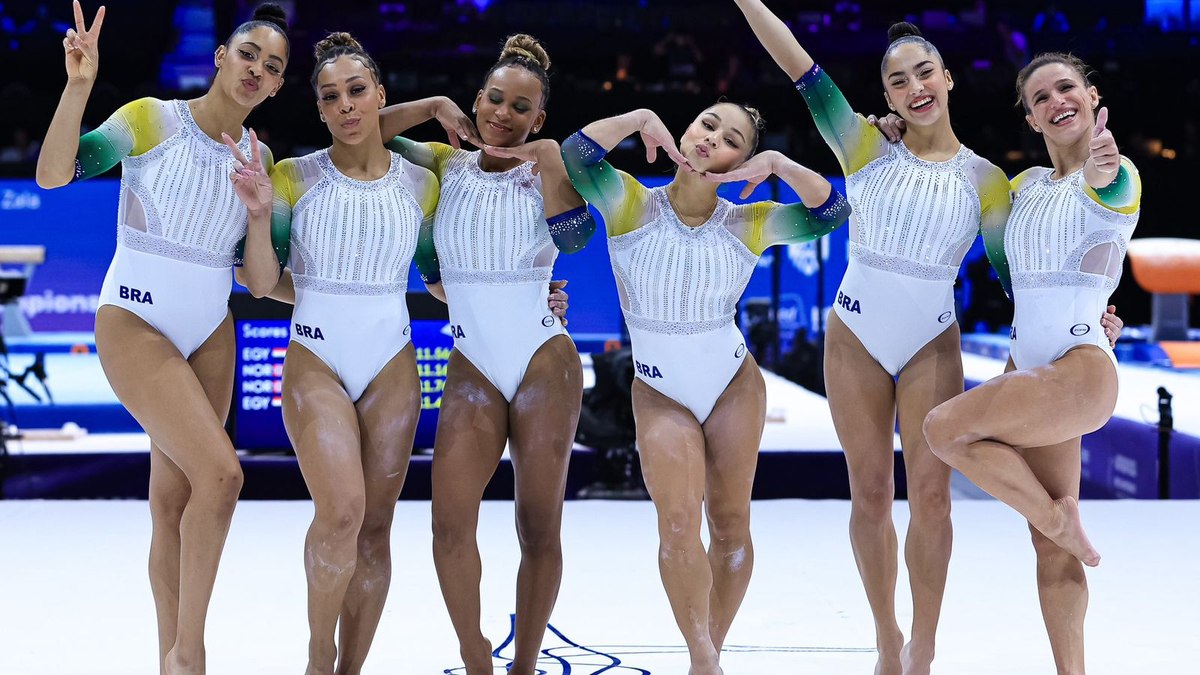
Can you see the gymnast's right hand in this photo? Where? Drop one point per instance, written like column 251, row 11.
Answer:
column 82, row 47
column 249, row 178
column 655, row 135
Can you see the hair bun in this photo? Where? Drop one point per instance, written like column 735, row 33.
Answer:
column 271, row 13
column 903, row 29
column 525, row 46
column 333, row 41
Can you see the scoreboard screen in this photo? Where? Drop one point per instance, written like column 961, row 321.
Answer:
column 257, row 394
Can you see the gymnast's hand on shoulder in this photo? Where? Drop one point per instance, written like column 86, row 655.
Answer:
column 892, row 126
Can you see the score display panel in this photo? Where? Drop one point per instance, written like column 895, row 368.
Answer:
column 258, row 380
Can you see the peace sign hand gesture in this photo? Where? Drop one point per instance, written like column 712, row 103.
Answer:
column 82, row 46
column 250, row 179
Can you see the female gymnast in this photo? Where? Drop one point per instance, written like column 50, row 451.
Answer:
column 351, row 394
column 163, row 329
column 682, row 257
column 1018, row 436
column 514, row 375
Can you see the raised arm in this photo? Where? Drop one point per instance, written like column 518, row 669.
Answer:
column 570, row 222
column 1110, row 179
column 400, row 117
column 56, row 164
column 851, row 137
column 776, row 38
column 620, row 199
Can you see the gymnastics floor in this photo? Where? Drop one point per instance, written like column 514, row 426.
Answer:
column 76, row 599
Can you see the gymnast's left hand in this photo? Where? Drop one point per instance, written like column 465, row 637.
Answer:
column 558, row 300
column 533, row 151
column 1112, row 325
column 754, row 171
column 249, row 178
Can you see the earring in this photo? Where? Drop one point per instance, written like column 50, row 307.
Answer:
column 474, row 110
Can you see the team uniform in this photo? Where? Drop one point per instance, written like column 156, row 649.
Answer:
column 913, row 222
column 493, row 250
column 179, row 222
column 351, row 245
column 679, row 285
column 1065, row 243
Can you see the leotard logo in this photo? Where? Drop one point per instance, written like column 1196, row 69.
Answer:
column 407, row 330
column 1080, row 329
column 740, row 352
column 647, row 370
column 136, row 295
column 1012, row 333
column 848, row 304
column 945, row 317
column 310, row 332
column 456, row 331
column 547, row 321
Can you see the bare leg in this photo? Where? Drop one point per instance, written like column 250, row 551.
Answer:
column 977, row 433
column 387, row 418
column 671, row 444
column 323, row 426
column 169, row 492
column 542, row 418
column 472, row 431
column 1062, row 585
column 862, row 401
column 934, row 375
column 161, row 390
column 732, row 435
column 213, row 365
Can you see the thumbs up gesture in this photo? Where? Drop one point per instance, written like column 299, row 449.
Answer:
column 1104, row 159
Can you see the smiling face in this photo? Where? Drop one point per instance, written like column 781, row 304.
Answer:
column 916, row 85
column 720, row 139
column 509, row 107
column 1059, row 104
column 349, row 100
column 251, row 68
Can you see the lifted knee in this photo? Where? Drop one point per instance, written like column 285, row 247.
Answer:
column 944, row 434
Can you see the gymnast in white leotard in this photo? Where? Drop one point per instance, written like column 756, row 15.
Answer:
column 682, row 257
column 514, row 375
column 351, row 394
column 163, row 330
column 892, row 346
column 1018, row 436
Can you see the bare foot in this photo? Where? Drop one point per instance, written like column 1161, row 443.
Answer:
column 916, row 660
column 889, row 648
column 177, row 665
column 477, row 657
column 321, row 658
column 1069, row 534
